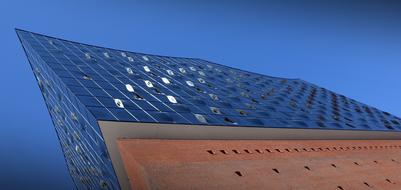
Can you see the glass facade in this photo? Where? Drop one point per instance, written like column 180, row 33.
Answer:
column 82, row 84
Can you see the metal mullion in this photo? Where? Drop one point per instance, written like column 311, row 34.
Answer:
column 66, row 107
column 142, row 87
column 84, row 85
column 136, row 85
column 111, row 85
column 161, row 85
column 173, row 79
column 34, row 57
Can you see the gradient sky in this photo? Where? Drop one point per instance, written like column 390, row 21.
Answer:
column 351, row 48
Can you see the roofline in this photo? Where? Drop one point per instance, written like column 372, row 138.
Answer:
column 98, row 46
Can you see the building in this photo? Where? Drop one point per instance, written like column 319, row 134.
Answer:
column 137, row 121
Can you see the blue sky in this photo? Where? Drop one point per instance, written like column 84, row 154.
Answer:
column 350, row 48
